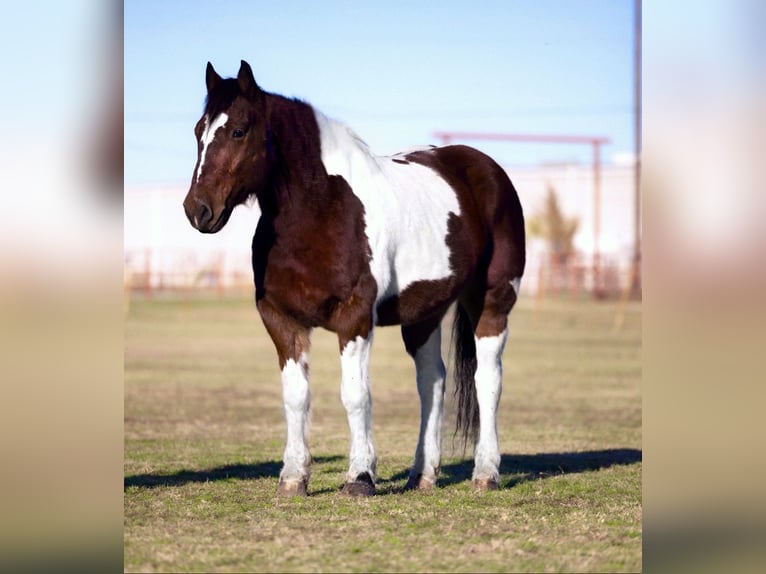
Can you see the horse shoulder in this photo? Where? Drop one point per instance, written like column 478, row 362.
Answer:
column 314, row 262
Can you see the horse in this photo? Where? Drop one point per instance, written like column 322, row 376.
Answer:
column 349, row 241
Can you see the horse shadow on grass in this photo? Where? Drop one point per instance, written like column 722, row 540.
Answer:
column 514, row 469
column 266, row 469
column 519, row 468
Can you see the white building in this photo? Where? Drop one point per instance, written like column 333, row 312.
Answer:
column 161, row 245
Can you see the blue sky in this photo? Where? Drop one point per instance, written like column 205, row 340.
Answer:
column 394, row 71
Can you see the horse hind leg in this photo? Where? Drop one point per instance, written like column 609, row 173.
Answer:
column 490, row 336
column 489, row 384
column 423, row 343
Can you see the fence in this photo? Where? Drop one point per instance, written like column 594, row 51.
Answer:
column 148, row 272
column 164, row 254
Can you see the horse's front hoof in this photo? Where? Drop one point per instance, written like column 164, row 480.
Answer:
column 362, row 486
column 421, row 483
column 485, row 484
column 291, row 488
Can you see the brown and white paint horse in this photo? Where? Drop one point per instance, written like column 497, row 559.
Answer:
column 347, row 241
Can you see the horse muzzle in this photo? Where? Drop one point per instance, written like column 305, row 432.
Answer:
column 200, row 215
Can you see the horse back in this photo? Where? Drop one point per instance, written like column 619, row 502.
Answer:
column 492, row 219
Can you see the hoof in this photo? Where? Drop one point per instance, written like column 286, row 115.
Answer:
column 421, row 483
column 485, row 484
column 291, row 487
column 362, row 486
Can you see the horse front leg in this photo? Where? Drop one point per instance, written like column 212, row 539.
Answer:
column 292, row 343
column 294, row 477
column 356, row 395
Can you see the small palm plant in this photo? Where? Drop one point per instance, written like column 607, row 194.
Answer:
column 552, row 225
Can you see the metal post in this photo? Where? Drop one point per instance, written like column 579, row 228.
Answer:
column 148, row 273
column 596, row 218
column 635, row 279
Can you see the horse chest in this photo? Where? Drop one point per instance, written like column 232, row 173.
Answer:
column 311, row 277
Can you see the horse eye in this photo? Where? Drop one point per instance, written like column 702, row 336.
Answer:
column 236, row 134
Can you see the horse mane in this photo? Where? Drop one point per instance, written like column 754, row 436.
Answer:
column 295, row 142
column 300, row 136
column 221, row 97
column 338, row 138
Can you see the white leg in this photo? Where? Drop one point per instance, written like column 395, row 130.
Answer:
column 489, row 382
column 357, row 398
column 430, row 379
column 297, row 404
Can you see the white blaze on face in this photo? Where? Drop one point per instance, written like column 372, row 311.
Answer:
column 207, row 138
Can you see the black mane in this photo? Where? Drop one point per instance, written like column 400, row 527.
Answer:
column 221, row 97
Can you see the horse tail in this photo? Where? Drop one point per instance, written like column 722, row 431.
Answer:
column 465, row 369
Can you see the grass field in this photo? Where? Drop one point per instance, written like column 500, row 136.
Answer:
column 204, row 438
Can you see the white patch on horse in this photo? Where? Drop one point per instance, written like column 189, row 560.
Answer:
column 356, row 396
column 430, row 379
column 407, row 209
column 489, row 386
column 516, row 284
column 208, row 136
column 297, row 403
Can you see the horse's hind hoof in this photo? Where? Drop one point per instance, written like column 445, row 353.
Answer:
column 485, row 484
column 362, row 486
column 291, row 488
column 421, row 483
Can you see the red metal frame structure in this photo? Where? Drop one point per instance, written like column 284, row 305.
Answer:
column 594, row 141
column 636, row 283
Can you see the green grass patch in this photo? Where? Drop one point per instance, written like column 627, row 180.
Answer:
column 204, row 438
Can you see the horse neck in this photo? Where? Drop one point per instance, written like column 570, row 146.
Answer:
column 298, row 177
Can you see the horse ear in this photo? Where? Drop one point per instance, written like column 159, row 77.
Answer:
column 211, row 78
column 245, row 79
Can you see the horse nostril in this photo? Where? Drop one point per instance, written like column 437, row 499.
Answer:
column 203, row 214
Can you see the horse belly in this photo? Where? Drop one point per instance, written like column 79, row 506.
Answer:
column 421, row 280
column 418, row 302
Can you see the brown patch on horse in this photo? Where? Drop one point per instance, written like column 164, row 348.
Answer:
column 415, row 335
column 491, row 221
column 484, row 191
column 291, row 339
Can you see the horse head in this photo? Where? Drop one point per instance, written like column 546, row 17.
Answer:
column 233, row 151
